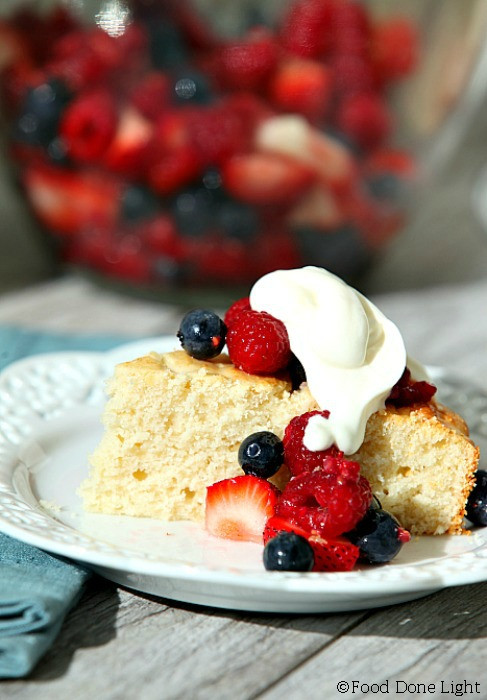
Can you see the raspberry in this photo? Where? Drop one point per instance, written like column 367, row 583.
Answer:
column 258, row 343
column 330, row 503
column 247, row 64
column 88, row 126
column 394, row 48
column 365, row 118
column 296, row 456
column 235, row 310
column 407, row 392
column 306, row 28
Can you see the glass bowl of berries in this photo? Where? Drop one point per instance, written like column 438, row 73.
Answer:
column 189, row 146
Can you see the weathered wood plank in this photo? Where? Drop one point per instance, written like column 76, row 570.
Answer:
column 116, row 643
column 439, row 638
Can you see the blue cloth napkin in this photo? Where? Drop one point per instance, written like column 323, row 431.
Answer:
column 36, row 588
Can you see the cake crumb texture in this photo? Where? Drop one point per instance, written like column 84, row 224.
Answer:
column 173, row 426
column 421, row 465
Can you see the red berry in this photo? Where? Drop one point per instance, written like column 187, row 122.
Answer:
column 88, row 126
column 217, row 132
column 350, row 28
column 306, row 29
column 329, row 554
column 302, row 86
column 366, row 118
column 238, row 508
column 173, row 170
column 235, row 310
column 248, row 63
column 266, row 178
column 152, row 94
column 407, row 392
column 258, row 343
column 128, row 152
column 296, row 456
column 351, row 74
column 276, row 524
column 328, row 502
column 333, row 554
column 67, row 202
column 394, row 49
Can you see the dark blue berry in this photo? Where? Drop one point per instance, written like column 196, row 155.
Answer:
column 377, row 536
column 191, row 87
column 342, row 251
column 261, row 454
column 237, row 220
column 477, row 501
column 202, row 334
column 288, row 552
column 193, row 212
column 296, row 372
column 41, row 111
column 385, row 187
column 167, row 47
column 138, row 203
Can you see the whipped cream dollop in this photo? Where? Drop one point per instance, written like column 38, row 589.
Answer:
column 352, row 354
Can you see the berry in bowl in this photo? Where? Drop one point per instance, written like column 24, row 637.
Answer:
column 159, row 152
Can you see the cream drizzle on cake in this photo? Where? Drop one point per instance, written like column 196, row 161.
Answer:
column 352, row 354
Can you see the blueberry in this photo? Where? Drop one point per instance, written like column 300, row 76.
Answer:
column 378, row 535
column 193, row 212
column 288, row 552
column 342, row 251
column 385, row 187
column 41, row 111
column 261, row 454
column 296, row 372
column 167, row 47
column 191, row 87
column 237, row 220
column 477, row 501
column 138, row 203
column 202, row 334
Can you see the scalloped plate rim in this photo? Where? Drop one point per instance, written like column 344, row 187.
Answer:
column 351, row 585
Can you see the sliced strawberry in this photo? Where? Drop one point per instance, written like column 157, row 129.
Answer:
column 66, row 201
column 292, row 136
column 266, row 178
column 330, row 554
column 127, row 151
column 317, row 209
column 302, row 86
column 276, row 524
column 238, row 508
column 333, row 555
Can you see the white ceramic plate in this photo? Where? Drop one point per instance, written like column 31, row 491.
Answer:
column 50, row 408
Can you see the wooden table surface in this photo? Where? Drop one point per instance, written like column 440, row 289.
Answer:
column 117, row 644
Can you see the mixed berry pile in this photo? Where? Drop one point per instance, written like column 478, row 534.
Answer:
column 326, row 518
column 154, row 156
